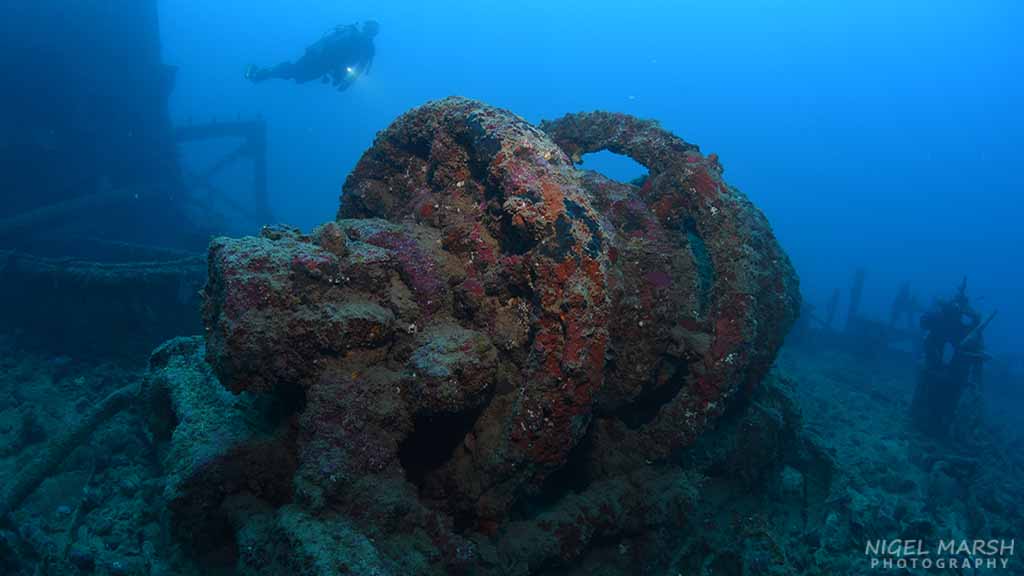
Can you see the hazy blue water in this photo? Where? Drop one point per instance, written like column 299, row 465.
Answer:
column 873, row 133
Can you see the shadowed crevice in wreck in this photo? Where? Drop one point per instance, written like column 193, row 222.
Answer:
column 705, row 268
column 276, row 409
column 513, row 240
column 644, row 409
column 573, row 478
column 433, row 442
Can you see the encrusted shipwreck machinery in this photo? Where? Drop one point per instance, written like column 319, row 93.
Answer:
column 483, row 365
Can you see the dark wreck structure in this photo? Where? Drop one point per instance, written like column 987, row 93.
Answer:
column 948, row 392
column 87, row 145
column 483, row 365
column 92, row 227
column 95, row 226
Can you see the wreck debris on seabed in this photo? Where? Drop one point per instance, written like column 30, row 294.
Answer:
column 495, row 353
column 491, row 362
column 948, row 396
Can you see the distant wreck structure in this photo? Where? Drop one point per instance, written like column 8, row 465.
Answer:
column 86, row 144
column 98, row 254
column 865, row 336
column 947, row 397
column 482, row 365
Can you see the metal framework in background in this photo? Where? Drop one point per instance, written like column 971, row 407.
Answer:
column 253, row 147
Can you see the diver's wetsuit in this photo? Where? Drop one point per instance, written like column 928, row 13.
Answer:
column 341, row 56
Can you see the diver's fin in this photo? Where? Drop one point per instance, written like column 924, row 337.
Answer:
column 249, row 71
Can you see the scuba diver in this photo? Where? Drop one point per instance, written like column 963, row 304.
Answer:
column 341, row 56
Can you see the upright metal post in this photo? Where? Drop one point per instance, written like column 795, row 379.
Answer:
column 855, row 294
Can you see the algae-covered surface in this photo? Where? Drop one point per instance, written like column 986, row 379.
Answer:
column 259, row 317
column 821, row 461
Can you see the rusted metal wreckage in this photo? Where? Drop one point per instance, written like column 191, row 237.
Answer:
column 255, row 206
column 483, row 364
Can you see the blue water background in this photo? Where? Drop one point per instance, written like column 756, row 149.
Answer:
column 876, row 134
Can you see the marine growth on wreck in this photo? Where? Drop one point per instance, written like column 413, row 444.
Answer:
column 495, row 353
column 490, row 354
